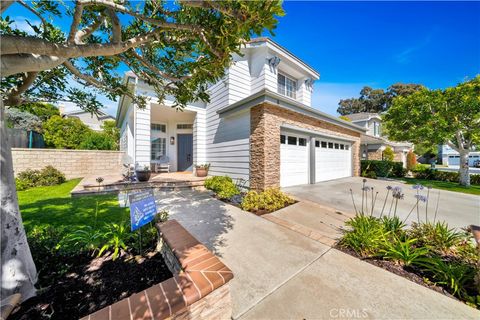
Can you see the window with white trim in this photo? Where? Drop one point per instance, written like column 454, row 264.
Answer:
column 158, row 127
column 184, row 126
column 158, row 148
column 287, row 86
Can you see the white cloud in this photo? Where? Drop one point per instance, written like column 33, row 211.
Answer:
column 326, row 95
column 20, row 23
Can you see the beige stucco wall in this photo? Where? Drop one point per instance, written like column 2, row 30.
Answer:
column 73, row 163
column 265, row 122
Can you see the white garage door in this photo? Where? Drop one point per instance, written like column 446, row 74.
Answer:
column 453, row 160
column 294, row 160
column 333, row 159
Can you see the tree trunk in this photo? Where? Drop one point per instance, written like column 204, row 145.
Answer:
column 464, row 174
column 18, row 272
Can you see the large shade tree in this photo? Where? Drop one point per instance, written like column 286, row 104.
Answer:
column 450, row 116
column 376, row 100
column 177, row 47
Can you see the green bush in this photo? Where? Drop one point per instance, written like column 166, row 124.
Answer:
column 97, row 141
column 48, row 176
column 270, row 200
column 382, row 168
column 422, row 172
column 63, row 133
column 366, row 235
column 403, row 251
column 388, row 154
column 437, row 237
column 222, row 186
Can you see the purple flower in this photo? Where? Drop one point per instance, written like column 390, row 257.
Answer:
column 364, row 180
column 397, row 193
column 418, row 186
column 366, row 188
column 420, row 197
column 389, row 187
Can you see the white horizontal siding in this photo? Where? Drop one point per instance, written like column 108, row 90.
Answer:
column 142, row 135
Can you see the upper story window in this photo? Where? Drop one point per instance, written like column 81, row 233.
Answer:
column 287, row 86
column 376, row 129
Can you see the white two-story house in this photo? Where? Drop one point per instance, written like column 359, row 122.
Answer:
column 373, row 142
column 259, row 125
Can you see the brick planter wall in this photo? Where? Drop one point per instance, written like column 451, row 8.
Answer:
column 198, row 290
column 265, row 122
column 73, row 163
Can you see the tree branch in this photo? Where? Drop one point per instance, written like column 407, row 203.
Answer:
column 4, row 4
column 87, row 31
column 453, row 146
column 154, row 69
column 116, row 26
column 13, row 98
column 77, row 18
column 21, row 63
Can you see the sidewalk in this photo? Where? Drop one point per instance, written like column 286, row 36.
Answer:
column 281, row 274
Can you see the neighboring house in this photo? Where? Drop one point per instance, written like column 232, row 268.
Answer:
column 93, row 121
column 373, row 143
column 259, row 125
column 450, row 157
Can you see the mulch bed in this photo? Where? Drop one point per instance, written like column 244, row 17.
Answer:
column 411, row 273
column 90, row 284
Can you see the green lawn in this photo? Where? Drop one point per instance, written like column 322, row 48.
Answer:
column 450, row 186
column 53, row 206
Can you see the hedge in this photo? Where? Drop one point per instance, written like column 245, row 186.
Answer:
column 377, row 168
column 421, row 172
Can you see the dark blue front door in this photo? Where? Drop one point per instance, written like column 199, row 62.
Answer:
column 185, row 152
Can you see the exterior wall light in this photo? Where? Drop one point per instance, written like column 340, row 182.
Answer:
column 172, row 140
column 274, row 62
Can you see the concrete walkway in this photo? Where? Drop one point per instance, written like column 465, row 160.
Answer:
column 281, row 274
column 457, row 209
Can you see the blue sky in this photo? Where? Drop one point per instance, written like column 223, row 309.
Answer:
column 353, row 44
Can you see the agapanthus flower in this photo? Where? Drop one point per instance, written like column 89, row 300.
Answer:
column 366, row 188
column 421, row 197
column 389, row 187
column 418, row 186
column 397, row 193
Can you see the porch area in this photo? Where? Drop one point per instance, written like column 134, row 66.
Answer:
column 114, row 183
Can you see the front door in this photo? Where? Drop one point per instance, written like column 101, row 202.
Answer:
column 185, row 152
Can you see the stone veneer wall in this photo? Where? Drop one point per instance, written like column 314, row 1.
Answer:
column 375, row 155
column 73, row 163
column 265, row 122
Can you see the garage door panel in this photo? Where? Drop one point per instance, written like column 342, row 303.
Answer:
column 294, row 162
column 331, row 163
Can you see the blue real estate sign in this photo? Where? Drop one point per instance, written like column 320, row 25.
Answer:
column 142, row 208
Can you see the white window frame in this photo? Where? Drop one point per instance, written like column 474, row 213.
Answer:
column 284, row 89
column 158, row 134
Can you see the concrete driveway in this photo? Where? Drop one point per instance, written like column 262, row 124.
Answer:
column 457, row 209
column 281, row 274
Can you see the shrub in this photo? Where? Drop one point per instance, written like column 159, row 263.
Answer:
column 382, row 168
column 64, row 133
column 393, row 225
column 403, row 251
column 366, row 236
column 411, row 161
column 117, row 235
column 388, row 154
column 48, row 176
column 270, row 200
column 421, row 172
column 222, row 186
column 437, row 237
column 97, row 141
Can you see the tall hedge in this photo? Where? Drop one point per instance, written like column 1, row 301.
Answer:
column 377, row 168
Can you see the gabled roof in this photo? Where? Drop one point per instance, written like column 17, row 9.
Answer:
column 274, row 98
column 369, row 139
column 362, row 116
column 100, row 114
column 274, row 45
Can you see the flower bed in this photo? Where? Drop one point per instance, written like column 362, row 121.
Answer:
column 259, row 203
column 427, row 252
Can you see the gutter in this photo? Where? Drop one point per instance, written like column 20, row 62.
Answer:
column 271, row 97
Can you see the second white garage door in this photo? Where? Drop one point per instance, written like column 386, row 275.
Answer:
column 333, row 159
column 294, row 160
